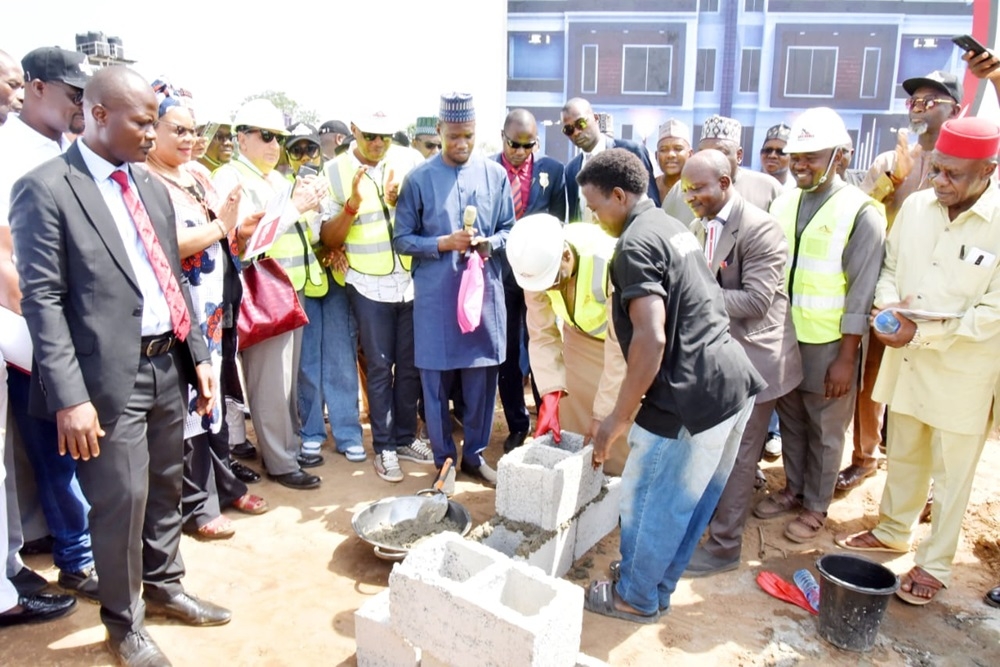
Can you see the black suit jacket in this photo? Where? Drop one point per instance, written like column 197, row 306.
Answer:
column 574, row 166
column 80, row 296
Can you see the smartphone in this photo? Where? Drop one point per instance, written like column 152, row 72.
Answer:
column 969, row 43
column 306, row 170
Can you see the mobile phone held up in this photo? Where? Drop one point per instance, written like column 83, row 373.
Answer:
column 306, row 170
column 969, row 43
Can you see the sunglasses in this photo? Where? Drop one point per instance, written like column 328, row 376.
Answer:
column 179, row 130
column 772, row 151
column 369, row 136
column 223, row 137
column 432, row 146
column 570, row 129
column 303, row 149
column 926, row 104
column 267, row 136
column 515, row 145
column 75, row 94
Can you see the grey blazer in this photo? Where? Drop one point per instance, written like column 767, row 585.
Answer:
column 749, row 263
column 80, row 296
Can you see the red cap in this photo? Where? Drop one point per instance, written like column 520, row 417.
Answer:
column 969, row 138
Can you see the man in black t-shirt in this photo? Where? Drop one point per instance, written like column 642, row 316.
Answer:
column 694, row 382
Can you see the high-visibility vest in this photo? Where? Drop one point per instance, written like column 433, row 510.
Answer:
column 594, row 249
column 369, row 241
column 814, row 272
column 293, row 249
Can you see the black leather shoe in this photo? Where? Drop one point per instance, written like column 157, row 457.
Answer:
column 514, row 440
column 28, row 582
column 992, row 598
column 299, row 479
column 189, row 609
column 43, row 545
column 243, row 473
column 38, row 608
column 309, row 460
column 244, row 450
column 137, row 650
column 83, row 583
column 853, row 475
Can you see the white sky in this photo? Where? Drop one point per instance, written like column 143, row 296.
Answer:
column 337, row 57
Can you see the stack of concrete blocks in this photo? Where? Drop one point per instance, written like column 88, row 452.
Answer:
column 552, row 507
column 454, row 602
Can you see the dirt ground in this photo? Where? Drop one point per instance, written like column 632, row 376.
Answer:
column 294, row 577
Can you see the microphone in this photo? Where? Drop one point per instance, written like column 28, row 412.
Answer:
column 469, row 218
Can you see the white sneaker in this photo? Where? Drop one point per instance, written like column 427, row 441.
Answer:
column 387, row 466
column 417, row 452
column 772, row 448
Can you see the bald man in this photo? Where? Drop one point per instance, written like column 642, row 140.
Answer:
column 110, row 319
column 11, row 83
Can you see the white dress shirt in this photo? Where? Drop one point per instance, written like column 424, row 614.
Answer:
column 713, row 230
column 586, row 215
column 23, row 149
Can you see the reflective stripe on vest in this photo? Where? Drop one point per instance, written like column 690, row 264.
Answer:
column 814, row 271
column 594, row 249
column 369, row 242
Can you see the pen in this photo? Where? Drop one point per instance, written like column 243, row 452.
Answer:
column 961, row 254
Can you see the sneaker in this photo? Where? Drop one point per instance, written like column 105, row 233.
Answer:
column 387, row 466
column 772, row 448
column 417, row 452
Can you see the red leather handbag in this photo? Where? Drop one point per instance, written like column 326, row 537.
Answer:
column 270, row 306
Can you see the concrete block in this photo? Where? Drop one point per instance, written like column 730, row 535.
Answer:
column 550, row 551
column 472, row 610
column 583, row 660
column 546, row 485
column 379, row 645
column 431, row 660
column 599, row 517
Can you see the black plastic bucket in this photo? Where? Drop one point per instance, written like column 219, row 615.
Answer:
column 854, row 593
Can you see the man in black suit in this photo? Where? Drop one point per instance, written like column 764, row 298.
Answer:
column 537, row 186
column 110, row 319
column 580, row 125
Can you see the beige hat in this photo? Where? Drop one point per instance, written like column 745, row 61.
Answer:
column 675, row 128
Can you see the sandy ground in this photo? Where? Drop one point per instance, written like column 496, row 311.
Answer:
column 294, row 577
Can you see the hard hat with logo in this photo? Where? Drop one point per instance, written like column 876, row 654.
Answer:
column 261, row 114
column 534, row 250
column 817, row 129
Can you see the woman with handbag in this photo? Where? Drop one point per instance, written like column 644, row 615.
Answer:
column 204, row 232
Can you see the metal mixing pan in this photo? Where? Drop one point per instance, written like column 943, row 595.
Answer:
column 373, row 518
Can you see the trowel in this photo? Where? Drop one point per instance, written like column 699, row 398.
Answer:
column 435, row 505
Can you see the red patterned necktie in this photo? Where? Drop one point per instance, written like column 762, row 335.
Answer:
column 179, row 316
column 515, row 191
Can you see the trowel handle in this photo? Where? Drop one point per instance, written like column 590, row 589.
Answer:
column 439, row 483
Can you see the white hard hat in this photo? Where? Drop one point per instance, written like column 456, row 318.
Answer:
column 534, row 250
column 262, row 114
column 376, row 123
column 817, row 129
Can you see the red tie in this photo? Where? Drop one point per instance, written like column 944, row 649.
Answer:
column 179, row 316
column 515, row 186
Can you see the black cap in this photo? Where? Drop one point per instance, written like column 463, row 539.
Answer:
column 50, row 63
column 945, row 82
column 301, row 132
column 334, row 127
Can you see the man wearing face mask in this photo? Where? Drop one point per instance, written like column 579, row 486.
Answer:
column 835, row 235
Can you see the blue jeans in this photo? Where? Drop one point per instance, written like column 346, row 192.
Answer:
column 386, row 333
column 59, row 492
column 670, row 488
column 328, row 371
column 774, row 427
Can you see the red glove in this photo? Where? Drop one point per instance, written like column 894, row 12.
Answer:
column 548, row 416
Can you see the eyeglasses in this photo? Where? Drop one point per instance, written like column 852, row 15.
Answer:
column 926, row 103
column 772, row 151
column 223, row 137
column 179, row 130
column 303, row 149
column 267, row 136
column 75, row 94
column 527, row 145
column 579, row 124
column 370, row 136
column 432, row 146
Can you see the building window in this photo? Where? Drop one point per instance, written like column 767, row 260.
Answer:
column 708, row 5
column 750, row 71
column 588, row 84
column 704, row 74
column 535, row 55
column 753, row 5
column 869, row 72
column 810, row 71
column 646, row 69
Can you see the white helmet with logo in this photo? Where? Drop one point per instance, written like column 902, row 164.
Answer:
column 261, row 114
column 534, row 250
column 817, row 129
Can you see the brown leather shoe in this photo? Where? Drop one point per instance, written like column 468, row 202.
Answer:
column 806, row 526
column 776, row 504
column 189, row 609
column 137, row 649
column 853, row 475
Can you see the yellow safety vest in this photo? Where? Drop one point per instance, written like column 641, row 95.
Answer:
column 594, row 249
column 293, row 249
column 814, row 271
column 369, row 241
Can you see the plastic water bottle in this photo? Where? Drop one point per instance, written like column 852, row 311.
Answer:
column 807, row 584
column 886, row 323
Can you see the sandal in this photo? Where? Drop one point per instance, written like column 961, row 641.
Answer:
column 251, row 504
column 864, row 541
column 917, row 577
column 218, row 528
column 601, row 598
column 615, row 570
column 805, row 527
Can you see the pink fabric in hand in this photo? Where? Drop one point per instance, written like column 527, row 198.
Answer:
column 470, row 294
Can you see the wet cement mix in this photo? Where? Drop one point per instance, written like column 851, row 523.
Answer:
column 405, row 534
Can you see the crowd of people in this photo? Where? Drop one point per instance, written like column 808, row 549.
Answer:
column 689, row 320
